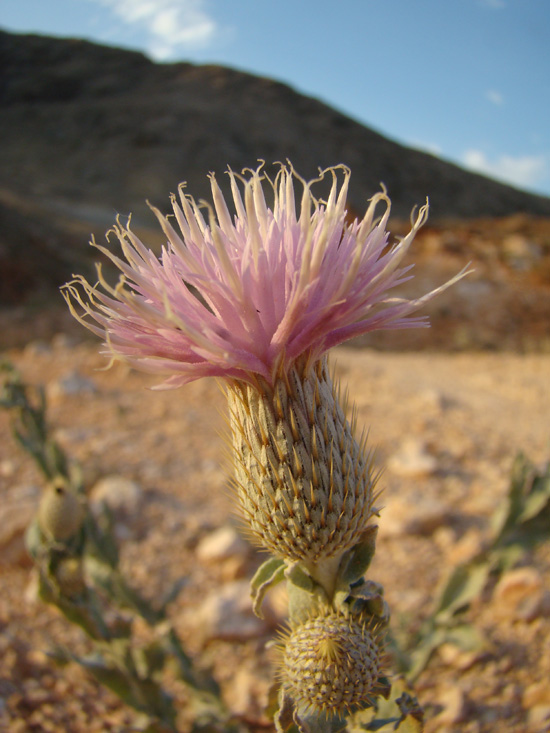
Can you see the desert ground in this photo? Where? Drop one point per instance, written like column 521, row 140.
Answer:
column 446, row 428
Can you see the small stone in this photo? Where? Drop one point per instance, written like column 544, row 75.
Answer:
column 227, row 614
column 16, row 513
column 520, row 252
column 412, row 460
column 63, row 341
column 458, row 658
column 466, row 548
column 36, row 348
column 454, row 705
column 539, row 718
column 519, row 593
column 538, row 693
column 432, row 400
column 422, row 517
column 247, row 690
column 444, row 537
column 69, row 385
column 32, row 589
column 123, row 496
column 7, row 468
column 222, row 544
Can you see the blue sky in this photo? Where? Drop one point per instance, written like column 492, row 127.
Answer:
column 468, row 80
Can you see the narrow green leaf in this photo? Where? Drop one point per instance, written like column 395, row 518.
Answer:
column 300, row 578
column 111, row 677
column 510, row 509
column 356, row 561
column 423, row 652
column 381, row 723
column 172, row 595
column 34, row 540
column 537, row 501
column 466, row 637
column 463, row 585
column 267, row 576
column 198, row 680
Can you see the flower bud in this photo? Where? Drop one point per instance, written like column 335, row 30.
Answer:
column 60, row 512
column 69, row 576
column 304, row 483
column 331, row 664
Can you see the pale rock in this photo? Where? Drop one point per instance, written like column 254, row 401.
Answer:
column 432, row 400
column 247, row 690
column 233, row 568
column 7, row 468
column 74, row 435
column 16, row 513
column 454, row 705
column 222, row 544
column 226, row 613
column 412, row 460
column 63, row 341
column 537, row 693
column 418, row 517
column 123, row 496
column 538, row 718
column 32, row 589
column 444, row 537
column 521, row 253
column 466, row 548
column 519, row 594
column 463, row 660
column 36, row 348
column 70, row 385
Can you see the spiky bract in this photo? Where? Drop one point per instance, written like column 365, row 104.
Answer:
column 305, row 484
column 331, row 663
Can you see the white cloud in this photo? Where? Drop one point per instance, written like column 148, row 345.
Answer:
column 495, row 97
column 427, row 147
column 524, row 171
column 171, row 25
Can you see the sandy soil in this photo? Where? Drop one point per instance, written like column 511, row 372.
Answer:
column 461, row 417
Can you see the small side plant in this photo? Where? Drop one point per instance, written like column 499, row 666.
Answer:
column 519, row 523
column 77, row 559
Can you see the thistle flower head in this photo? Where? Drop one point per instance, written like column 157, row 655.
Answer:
column 244, row 295
column 304, row 483
column 331, row 663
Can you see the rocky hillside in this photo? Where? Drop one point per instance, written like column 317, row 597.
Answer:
column 88, row 131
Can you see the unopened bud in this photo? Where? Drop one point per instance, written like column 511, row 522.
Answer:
column 60, row 513
column 70, row 577
column 331, row 664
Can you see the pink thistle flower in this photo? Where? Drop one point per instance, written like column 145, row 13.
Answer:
column 245, row 296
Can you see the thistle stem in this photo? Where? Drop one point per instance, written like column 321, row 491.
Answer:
column 326, row 574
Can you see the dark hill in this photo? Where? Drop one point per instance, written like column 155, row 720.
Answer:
column 87, row 131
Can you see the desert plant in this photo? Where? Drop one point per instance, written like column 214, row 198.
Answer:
column 77, row 559
column 518, row 524
column 257, row 298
